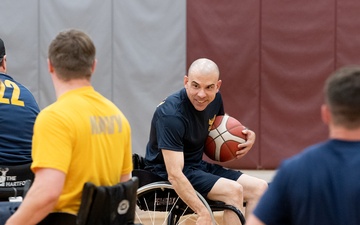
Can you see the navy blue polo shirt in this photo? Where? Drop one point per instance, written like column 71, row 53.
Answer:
column 178, row 126
column 320, row 185
column 18, row 111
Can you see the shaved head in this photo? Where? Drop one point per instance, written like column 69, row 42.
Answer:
column 203, row 66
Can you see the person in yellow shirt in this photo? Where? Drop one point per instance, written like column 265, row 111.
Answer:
column 82, row 137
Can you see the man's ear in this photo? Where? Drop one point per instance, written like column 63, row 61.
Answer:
column 3, row 63
column 186, row 80
column 325, row 114
column 50, row 66
column 218, row 85
column 93, row 66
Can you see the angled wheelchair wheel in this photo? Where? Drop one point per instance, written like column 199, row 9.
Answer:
column 158, row 203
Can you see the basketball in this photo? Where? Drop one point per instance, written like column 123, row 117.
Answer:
column 224, row 137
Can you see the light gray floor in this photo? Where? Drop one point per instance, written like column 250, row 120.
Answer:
column 263, row 174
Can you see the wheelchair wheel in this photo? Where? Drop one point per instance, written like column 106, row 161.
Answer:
column 158, row 203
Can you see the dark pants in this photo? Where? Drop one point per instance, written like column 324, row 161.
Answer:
column 9, row 208
column 6, row 210
column 59, row 219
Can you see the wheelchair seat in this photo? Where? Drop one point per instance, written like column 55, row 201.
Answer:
column 144, row 176
column 108, row 205
column 101, row 205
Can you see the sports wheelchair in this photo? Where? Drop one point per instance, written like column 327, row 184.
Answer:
column 15, row 181
column 100, row 205
column 158, row 203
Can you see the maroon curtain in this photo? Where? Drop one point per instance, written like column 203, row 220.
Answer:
column 274, row 57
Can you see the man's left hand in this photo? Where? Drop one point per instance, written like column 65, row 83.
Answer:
column 246, row 146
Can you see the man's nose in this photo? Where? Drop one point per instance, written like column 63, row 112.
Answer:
column 201, row 93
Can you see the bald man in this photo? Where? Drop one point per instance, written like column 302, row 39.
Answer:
column 179, row 128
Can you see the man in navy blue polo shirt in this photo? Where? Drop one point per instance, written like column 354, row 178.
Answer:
column 321, row 184
column 179, row 128
column 18, row 111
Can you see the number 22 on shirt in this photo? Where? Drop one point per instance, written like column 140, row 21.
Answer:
column 14, row 100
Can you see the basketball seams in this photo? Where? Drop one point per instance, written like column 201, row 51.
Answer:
column 221, row 128
column 218, row 145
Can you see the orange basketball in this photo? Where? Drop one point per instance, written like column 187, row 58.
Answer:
column 224, row 137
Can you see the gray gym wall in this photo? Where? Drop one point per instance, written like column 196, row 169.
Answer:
column 140, row 50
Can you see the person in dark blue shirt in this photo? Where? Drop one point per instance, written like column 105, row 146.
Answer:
column 18, row 111
column 321, row 184
column 178, row 132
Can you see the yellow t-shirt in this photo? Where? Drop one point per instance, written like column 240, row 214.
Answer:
column 87, row 137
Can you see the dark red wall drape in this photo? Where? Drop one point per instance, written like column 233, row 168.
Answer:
column 274, row 57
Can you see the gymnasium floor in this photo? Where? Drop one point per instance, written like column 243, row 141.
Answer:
column 263, row 174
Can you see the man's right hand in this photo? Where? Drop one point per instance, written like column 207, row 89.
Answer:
column 204, row 218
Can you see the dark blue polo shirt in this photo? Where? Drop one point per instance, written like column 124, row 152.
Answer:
column 178, row 126
column 18, row 111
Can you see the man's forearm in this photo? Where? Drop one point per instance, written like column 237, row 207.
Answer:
column 33, row 210
column 188, row 194
column 41, row 198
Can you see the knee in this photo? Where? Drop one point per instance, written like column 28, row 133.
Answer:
column 260, row 188
column 235, row 194
column 237, row 189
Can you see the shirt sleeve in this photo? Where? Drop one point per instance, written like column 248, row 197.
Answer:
column 51, row 142
column 170, row 132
